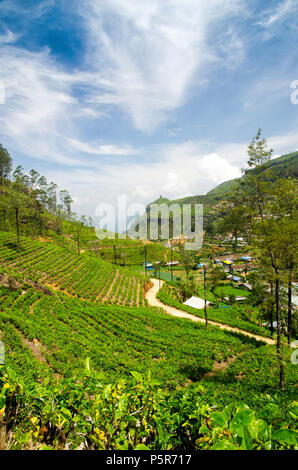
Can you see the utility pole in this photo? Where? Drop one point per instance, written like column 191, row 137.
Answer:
column 145, row 252
column 205, row 301
column 115, row 255
column 157, row 264
column 159, row 277
column 171, row 263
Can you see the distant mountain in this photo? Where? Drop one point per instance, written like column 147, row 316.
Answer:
column 282, row 167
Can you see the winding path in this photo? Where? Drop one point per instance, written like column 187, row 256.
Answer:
column 153, row 301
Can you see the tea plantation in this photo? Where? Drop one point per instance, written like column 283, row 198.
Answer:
column 86, row 367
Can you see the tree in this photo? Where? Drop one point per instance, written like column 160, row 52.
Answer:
column 257, row 191
column 205, row 296
column 52, row 197
column 284, row 209
column 34, row 175
column 186, row 260
column 78, row 226
column 5, row 164
column 215, row 274
column 187, row 287
column 234, row 222
column 4, row 205
column 19, row 200
column 65, row 201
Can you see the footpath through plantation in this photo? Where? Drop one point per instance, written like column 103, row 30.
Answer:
column 94, row 355
column 80, row 374
column 152, row 297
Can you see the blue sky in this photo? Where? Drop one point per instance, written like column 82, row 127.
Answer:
column 113, row 97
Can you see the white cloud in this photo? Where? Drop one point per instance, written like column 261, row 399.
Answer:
column 42, row 115
column 28, row 10
column 232, row 49
column 99, row 149
column 141, row 57
column 280, row 13
column 154, row 51
column 175, row 171
column 8, row 37
column 284, row 143
column 180, row 170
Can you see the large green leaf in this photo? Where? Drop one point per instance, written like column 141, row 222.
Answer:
column 219, row 420
column 247, row 443
column 287, row 436
column 224, row 445
column 137, row 375
column 241, row 419
column 141, row 447
column 270, row 413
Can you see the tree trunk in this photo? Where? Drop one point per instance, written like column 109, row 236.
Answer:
column 278, row 342
column 145, row 253
column 205, row 300
column 18, row 228
column 289, row 308
column 271, row 311
column 235, row 241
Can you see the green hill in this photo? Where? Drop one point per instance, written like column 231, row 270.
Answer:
column 80, row 276
column 80, row 375
column 284, row 166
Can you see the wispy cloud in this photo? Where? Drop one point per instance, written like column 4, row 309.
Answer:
column 40, row 102
column 96, row 148
column 142, row 58
column 29, row 10
column 8, row 37
column 279, row 14
column 147, row 55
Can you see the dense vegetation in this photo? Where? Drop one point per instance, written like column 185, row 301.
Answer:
column 112, row 406
column 89, row 365
column 240, row 316
column 82, row 277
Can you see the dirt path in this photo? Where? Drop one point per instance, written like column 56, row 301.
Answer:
column 154, row 302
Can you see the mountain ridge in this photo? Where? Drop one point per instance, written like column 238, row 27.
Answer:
column 283, row 166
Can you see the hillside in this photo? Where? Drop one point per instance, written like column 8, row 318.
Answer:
column 79, row 276
column 87, row 376
column 87, row 363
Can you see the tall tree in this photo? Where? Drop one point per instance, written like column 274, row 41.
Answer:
column 234, row 222
column 5, row 164
column 186, row 259
column 258, row 186
column 19, row 202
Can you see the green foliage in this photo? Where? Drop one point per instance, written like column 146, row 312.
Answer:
column 84, row 277
column 82, row 413
column 5, row 164
column 239, row 316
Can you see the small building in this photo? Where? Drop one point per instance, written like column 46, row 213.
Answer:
column 237, row 299
column 196, row 302
column 148, row 265
column 227, row 262
column 246, row 258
